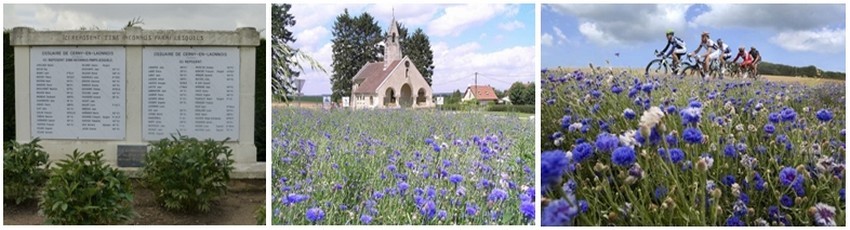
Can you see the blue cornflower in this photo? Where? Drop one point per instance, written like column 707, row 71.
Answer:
column 787, row 176
column 595, row 93
column 671, row 109
column 759, row 182
column 391, row 168
column 671, row 140
column 695, row 104
column 728, row 180
column 646, row 87
column 616, row 89
column 676, row 155
column 605, row 142
column 660, row 193
column 402, row 187
column 377, row 195
column 824, row 115
column 471, row 209
column 798, row 187
column 730, row 151
column 734, row 221
column 773, row 117
column 582, row 151
column 559, row 213
column 623, row 156
column 552, row 166
column 527, row 209
column 455, row 178
column 296, row 198
column 786, row 201
column 739, row 209
column 441, row 214
column 769, row 128
column 365, row 219
column 497, row 195
column 744, row 198
column 566, row 121
column 629, row 114
column 315, row 214
column 690, row 115
column 788, row 114
column 841, row 194
column 583, row 206
column 692, row 135
column 428, row 209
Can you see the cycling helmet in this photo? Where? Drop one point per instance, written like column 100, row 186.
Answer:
column 719, row 41
column 741, row 48
column 670, row 32
column 705, row 34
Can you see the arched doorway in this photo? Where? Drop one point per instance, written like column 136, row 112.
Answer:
column 389, row 98
column 421, row 97
column 406, row 98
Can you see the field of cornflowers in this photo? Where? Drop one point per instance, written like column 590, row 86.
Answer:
column 382, row 167
column 665, row 150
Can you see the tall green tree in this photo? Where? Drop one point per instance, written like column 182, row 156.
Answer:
column 286, row 60
column 521, row 93
column 282, row 75
column 355, row 43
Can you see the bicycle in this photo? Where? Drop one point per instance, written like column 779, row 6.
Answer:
column 662, row 64
column 694, row 67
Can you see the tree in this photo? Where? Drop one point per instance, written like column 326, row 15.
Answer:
column 355, row 43
column 286, row 60
column 521, row 93
column 454, row 98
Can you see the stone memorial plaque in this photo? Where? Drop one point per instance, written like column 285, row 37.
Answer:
column 77, row 92
column 132, row 155
column 190, row 90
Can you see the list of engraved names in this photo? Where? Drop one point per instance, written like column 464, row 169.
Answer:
column 77, row 92
column 190, row 90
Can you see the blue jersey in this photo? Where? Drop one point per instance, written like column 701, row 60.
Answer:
column 676, row 43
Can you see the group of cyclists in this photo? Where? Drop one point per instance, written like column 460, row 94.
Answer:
column 718, row 50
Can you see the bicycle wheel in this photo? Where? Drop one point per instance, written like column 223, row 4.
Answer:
column 656, row 67
column 691, row 71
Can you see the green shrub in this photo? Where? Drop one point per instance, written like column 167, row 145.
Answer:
column 84, row 190
column 187, row 174
column 24, row 170
column 511, row 108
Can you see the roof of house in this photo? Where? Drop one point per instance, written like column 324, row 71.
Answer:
column 483, row 92
column 372, row 75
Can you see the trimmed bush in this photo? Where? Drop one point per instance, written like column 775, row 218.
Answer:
column 187, row 174
column 24, row 170
column 84, row 190
column 260, row 215
column 511, row 108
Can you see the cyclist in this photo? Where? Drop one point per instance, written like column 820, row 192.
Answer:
column 756, row 59
column 712, row 51
column 726, row 51
column 678, row 48
column 746, row 59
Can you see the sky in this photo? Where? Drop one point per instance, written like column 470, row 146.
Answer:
column 116, row 16
column 497, row 41
column 798, row 35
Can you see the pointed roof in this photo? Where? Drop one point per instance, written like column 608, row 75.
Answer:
column 483, row 92
column 372, row 75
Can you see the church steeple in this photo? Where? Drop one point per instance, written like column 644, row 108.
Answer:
column 392, row 48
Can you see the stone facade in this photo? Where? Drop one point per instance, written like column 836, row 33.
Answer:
column 393, row 83
column 132, row 41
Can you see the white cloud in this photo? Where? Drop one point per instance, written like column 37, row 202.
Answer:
column 311, row 37
column 312, row 15
column 780, row 17
column 456, row 66
column 822, row 40
column 512, row 25
column 456, row 19
column 561, row 37
column 595, row 35
column 317, row 82
column 410, row 15
column 610, row 24
column 546, row 39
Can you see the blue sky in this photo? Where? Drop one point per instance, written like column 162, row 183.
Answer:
column 577, row 34
column 496, row 40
